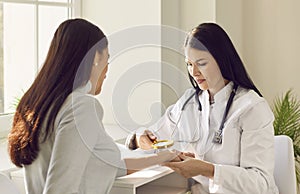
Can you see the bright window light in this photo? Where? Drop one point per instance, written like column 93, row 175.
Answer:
column 26, row 30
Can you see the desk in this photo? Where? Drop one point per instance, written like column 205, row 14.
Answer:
column 157, row 179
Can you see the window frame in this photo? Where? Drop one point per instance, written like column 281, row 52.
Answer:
column 74, row 11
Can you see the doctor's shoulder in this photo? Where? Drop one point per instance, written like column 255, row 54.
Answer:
column 247, row 99
column 188, row 95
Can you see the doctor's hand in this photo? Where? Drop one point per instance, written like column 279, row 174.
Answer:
column 190, row 167
column 146, row 140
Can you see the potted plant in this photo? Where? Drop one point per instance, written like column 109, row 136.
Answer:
column 286, row 110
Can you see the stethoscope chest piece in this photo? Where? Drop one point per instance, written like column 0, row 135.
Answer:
column 218, row 137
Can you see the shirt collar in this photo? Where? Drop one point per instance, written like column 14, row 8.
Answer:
column 224, row 93
column 85, row 89
column 220, row 96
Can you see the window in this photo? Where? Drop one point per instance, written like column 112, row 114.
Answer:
column 26, row 29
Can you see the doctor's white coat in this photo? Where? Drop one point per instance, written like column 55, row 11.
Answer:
column 244, row 162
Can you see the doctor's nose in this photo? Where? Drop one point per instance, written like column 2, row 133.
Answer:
column 194, row 70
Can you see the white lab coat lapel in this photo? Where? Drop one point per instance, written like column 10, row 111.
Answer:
column 203, row 124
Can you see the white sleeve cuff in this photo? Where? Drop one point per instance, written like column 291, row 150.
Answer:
column 122, row 170
column 215, row 183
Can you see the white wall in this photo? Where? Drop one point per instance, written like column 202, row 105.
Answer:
column 126, row 23
column 266, row 34
column 182, row 16
column 229, row 16
column 195, row 12
column 148, row 97
column 272, row 44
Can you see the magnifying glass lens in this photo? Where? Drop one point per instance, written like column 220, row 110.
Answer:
column 162, row 144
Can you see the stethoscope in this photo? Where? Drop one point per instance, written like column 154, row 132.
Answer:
column 218, row 135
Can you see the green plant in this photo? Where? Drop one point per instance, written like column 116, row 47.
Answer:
column 16, row 100
column 286, row 110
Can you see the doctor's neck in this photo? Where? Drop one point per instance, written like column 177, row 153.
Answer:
column 216, row 89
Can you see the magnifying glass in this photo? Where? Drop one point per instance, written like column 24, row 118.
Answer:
column 162, row 144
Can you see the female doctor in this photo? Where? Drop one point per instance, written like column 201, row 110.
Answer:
column 223, row 119
column 57, row 133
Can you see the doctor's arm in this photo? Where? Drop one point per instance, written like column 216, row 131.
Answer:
column 162, row 129
column 143, row 137
column 255, row 171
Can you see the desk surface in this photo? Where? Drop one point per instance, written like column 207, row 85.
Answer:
column 156, row 179
column 142, row 177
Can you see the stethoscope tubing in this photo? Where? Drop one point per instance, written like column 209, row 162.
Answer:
column 218, row 136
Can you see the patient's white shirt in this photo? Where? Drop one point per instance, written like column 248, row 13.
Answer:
column 79, row 156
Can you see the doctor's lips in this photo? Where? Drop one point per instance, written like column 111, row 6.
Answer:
column 199, row 81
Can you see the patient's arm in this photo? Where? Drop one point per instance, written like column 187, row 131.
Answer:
column 136, row 164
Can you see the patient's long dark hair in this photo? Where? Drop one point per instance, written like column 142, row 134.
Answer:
column 55, row 81
column 212, row 38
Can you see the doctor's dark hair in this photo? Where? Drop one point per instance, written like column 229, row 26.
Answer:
column 212, row 38
column 72, row 49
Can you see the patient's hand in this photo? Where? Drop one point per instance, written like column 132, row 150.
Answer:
column 168, row 155
column 178, row 153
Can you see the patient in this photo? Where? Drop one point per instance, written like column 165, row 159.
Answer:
column 57, row 133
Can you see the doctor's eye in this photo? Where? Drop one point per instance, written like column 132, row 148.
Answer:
column 201, row 64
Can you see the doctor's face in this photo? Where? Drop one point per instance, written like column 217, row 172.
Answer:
column 204, row 69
